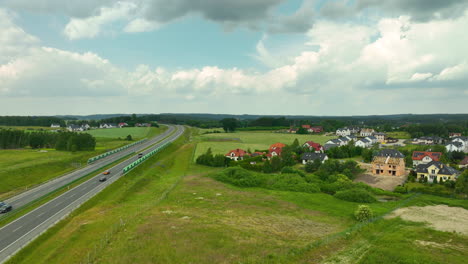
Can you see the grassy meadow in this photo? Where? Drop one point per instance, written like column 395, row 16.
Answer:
column 135, row 132
column 24, row 168
column 221, row 143
column 169, row 211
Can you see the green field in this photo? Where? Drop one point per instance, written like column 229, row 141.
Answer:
column 168, row 211
column 399, row 134
column 24, row 168
column 221, row 143
column 135, row 132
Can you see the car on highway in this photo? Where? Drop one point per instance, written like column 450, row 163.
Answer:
column 140, row 155
column 5, row 208
column 102, row 178
column 106, row 172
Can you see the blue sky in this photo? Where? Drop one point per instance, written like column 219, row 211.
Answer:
column 307, row 57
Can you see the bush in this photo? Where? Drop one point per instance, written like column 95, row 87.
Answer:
column 356, row 195
column 291, row 182
column 400, row 189
column 240, row 177
column 363, row 213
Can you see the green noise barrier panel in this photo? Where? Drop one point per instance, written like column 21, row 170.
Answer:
column 93, row 159
column 145, row 157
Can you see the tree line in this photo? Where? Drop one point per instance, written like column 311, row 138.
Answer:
column 30, row 121
column 67, row 141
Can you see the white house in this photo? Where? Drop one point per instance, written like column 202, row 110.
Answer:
column 108, row 125
column 463, row 140
column 365, row 132
column 75, row 128
column 372, row 139
column 311, row 156
column 55, row 125
column 343, row 132
column 454, row 146
column 363, row 143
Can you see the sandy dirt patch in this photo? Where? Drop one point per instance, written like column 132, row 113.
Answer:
column 439, row 217
column 383, row 182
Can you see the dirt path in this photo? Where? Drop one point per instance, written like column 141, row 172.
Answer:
column 439, row 217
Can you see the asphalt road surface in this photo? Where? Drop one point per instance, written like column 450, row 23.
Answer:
column 43, row 189
column 23, row 230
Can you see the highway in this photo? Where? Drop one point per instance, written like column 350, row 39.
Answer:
column 23, row 230
column 43, row 189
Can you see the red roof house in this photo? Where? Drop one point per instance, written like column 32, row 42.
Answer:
column 236, row 154
column 313, row 146
column 306, row 126
column 315, row 129
column 274, row 152
column 277, row 145
column 464, row 163
column 424, row 157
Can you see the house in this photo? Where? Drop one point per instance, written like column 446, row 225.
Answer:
column 257, row 153
column 436, row 169
column 354, row 130
column 108, row 125
column 391, row 140
column 311, row 156
column 424, row 157
column 86, row 126
column 272, row 152
column 142, row 124
column 454, row 146
column 428, row 140
column 380, row 137
column 363, row 143
column 372, row 139
column 236, row 154
column 334, row 141
column 452, row 135
column 351, row 138
column 344, row 141
column 277, row 145
column 75, row 128
column 343, row 132
column 313, row 146
column 463, row 163
column 315, row 129
column 293, row 130
column 328, row 146
column 463, row 140
column 122, row 124
column 389, row 162
column 305, row 126
column 365, row 132
column 55, row 125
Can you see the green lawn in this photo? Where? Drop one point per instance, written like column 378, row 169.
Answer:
column 221, row 143
column 399, row 134
column 135, row 132
column 168, row 211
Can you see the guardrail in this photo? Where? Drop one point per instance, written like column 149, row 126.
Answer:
column 145, row 157
column 93, row 159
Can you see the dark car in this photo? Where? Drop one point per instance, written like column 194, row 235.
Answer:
column 140, row 155
column 5, row 208
column 103, row 179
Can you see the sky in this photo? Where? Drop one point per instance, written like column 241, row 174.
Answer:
column 281, row 57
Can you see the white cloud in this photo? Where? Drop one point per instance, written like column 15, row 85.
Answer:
column 141, row 25
column 91, row 26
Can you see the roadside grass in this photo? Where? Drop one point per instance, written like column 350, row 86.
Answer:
column 30, row 128
column 221, row 143
column 21, row 169
column 135, row 132
column 18, row 212
column 399, row 134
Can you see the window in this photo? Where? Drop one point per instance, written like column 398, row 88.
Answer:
column 433, row 171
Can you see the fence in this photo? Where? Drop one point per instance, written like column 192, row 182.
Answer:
column 145, row 157
column 93, row 159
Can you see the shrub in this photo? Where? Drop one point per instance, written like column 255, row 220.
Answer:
column 240, row 177
column 400, row 189
column 356, row 195
column 291, row 182
column 363, row 213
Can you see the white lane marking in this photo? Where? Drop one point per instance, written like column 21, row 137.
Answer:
column 41, row 214
column 17, row 229
column 72, row 195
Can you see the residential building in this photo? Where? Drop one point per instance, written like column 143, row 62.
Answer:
column 389, row 162
column 55, row 125
column 312, row 146
column 464, row 163
column 108, row 125
column 365, row 132
column 272, row 152
column 363, row 143
column 311, row 156
column 277, row 145
column 463, row 140
column 292, row 130
column 372, row 139
column 380, row 137
column 351, row 137
column 328, row 146
column 305, row 126
column 343, row 132
column 424, row 157
column 257, row 153
column 122, row 124
column 236, row 154
column 315, row 129
column 454, row 146
column 354, row 130
column 436, row 169
column 452, row 135
column 75, row 128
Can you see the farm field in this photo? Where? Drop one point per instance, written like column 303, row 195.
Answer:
column 221, row 143
column 169, row 211
column 399, row 134
column 24, row 168
column 135, row 132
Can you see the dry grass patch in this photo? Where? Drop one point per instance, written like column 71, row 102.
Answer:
column 439, row 217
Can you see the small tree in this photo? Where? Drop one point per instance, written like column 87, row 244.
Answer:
column 363, row 213
column 434, row 181
column 129, row 138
